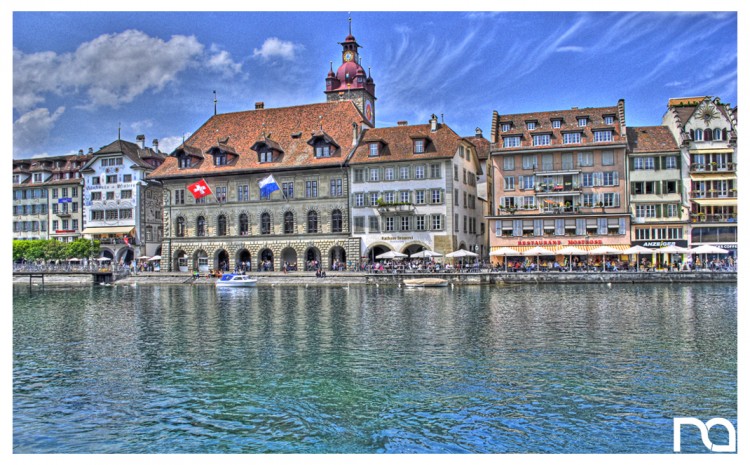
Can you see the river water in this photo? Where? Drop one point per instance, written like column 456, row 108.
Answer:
column 476, row 369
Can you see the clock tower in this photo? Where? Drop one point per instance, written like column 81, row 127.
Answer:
column 350, row 82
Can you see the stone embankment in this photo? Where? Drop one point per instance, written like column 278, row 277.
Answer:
column 349, row 278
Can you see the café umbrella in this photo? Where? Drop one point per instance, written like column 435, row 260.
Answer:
column 637, row 250
column 391, row 255
column 536, row 252
column 604, row 250
column 708, row 249
column 155, row 258
column 426, row 254
column 672, row 249
column 505, row 252
column 570, row 251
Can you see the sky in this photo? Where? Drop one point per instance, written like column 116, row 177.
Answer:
column 79, row 77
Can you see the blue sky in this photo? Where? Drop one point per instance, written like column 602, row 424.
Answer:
column 78, row 75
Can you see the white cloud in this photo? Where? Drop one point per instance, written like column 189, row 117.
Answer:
column 31, row 129
column 168, row 144
column 274, row 47
column 110, row 70
column 222, row 62
column 570, row 48
column 139, row 127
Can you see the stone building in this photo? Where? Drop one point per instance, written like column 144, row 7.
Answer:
column 48, row 197
column 122, row 209
column 706, row 132
column 303, row 223
column 414, row 188
column 658, row 198
column 559, row 179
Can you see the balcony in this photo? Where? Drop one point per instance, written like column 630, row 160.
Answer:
column 63, row 214
column 555, row 188
column 703, row 218
column 713, row 167
column 714, row 194
column 556, row 167
column 396, row 208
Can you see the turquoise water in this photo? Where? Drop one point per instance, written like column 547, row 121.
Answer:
column 515, row 369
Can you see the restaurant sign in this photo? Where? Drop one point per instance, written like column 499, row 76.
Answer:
column 559, row 242
column 658, row 244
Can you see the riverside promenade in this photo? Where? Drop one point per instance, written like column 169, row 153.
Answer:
column 348, row 278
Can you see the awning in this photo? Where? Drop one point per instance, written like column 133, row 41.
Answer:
column 711, row 176
column 555, row 248
column 109, row 230
column 725, row 150
column 716, row 201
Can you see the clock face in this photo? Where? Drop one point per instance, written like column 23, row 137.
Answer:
column 368, row 110
column 348, row 55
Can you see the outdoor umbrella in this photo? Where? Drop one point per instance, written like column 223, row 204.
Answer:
column 143, row 257
column 391, row 255
column 426, row 254
column 707, row 249
column 637, row 250
column 671, row 249
column 103, row 259
column 604, row 250
column 461, row 253
column 74, row 259
column 155, row 258
column 536, row 252
column 505, row 252
column 570, row 251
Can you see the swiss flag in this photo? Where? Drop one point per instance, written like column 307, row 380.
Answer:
column 199, row 189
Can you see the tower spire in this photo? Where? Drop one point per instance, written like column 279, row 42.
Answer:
column 215, row 103
column 350, row 23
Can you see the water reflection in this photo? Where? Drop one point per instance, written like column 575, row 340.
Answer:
column 470, row 369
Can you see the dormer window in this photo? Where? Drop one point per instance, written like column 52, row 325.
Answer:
column 266, row 155
column 322, row 150
column 505, row 127
column 513, row 141
column 374, row 149
column 220, row 159
column 582, row 121
column 556, row 123
column 184, row 161
column 609, row 119
column 418, row 145
column 602, row 136
column 530, row 125
column 37, row 177
column 16, row 179
column 541, row 139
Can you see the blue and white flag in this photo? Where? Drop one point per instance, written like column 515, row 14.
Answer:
column 268, row 185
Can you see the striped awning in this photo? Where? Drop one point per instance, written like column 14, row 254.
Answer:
column 716, row 201
column 555, row 248
column 712, row 176
column 109, row 230
column 724, row 150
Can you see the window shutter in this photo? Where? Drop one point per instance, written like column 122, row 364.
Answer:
column 692, row 134
column 615, row 178
column 559, row 227
column 723, row 134
column 617, row 199
column 520, row 182
column 538, row 227
column 498, row 228
column 623, row 228
column 631, row 163
column 517, row 228
column 708, row 134
column 580, row 226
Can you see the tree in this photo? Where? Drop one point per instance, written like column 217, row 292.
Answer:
column 20, row 249
column 82, row 248
column 54, row 250
column 35, row 250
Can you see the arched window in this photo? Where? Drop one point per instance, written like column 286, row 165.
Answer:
column 699, row 134
column 243, row 225
column 221, row 226
column 717, row 134
column 200, row 226
column 180, row 227
column 312, row 222
column 288, row 223
column 265, row 223
column 336, row 221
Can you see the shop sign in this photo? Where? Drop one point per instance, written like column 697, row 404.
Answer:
column 658, row 244
column 726, row 246
column 397, row 238
column 64, row 200
column 559, row 242
column 64, row 231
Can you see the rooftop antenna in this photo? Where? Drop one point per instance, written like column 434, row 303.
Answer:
column 215, row 103
column 118, row 130
column 442, row 118
column 350, row 23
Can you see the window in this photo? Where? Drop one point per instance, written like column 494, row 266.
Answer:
column 419, row 223
column 541, row 139
column 74, row 207
column 583, row 121
column 127, row 194
column 337, row 222
column 419, row 172
column 73, row 192
column 531, row 125
column 266, row 155
column 435, row 171
column 556, row 123
column 670, row 162
column 244, row 230
column 221, row 226
column 717, row 134
column 359, row 175
column 509, row 163
column 359, row 199
column 126, row 214
column 322, row 151
column 110, row 214
column 184, row 161
column 672, row 210
column 95, row 181
column 585, row 159
column 311, row 189
column 645, row 211
column 698, row 134
column 74, row 225
column 526, row 182
column 149, row 234
column 419, row 197
column 336, row 188
column 97, row 215
column 512, row 141
column 643, row 163
column 37, row 177
column 390, row 174
column 403, row 172
column 670, row 187
column 587, row 200
column 110, row 195
column 609, row 119
column 404, row 197
column 127, row 178
column 505, row 127
column 179, row 197
column 529, row 162
column 419, row 146
column 437, row 196
column 510, row 183
column 610, row 178
column 64, row 192
column 464, row 175
column 200, row 226
column 572, row 138
column 374, row 149
column 288, row 223
column 265, row 223
column 54, row 225
column 220, row 158
column 437, row 222
column 374, row 224
column 243, row 193
column 611, row 199
column 287, row 188
column 608, row 158
column 465, row 199
column 389, row 224
column 374, row 196
column 389, row 197
column 405, row 223
column 111, row 178
column 359, row 224
column 312, row 221
column 16, row 178
column 374, row 174
column 602, row 136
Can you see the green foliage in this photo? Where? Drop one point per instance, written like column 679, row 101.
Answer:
column 52, row 249
column 82, row 248
column 20, row 249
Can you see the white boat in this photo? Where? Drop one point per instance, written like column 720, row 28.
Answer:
column 236, row 280
column 425, row 282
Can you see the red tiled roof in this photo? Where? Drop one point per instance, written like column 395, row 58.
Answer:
column 482, row 146
column 398, row 144
column 651, row 139
column 569, row 124
column 289, row 127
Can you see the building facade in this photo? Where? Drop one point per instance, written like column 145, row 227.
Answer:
column 658, row 198
column 122, row 209
column 48, row 197
column 559, row 179
column 414, row 188
column 706, row 131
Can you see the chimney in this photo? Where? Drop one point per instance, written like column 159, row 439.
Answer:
column 91, row 150
column 80, row 152
column 433, row 123
column 479, row 132
column 574, row 108
column 259, row 105
column 402, row 123
column 140, row 139
column 155, row 144
column 355, row 133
